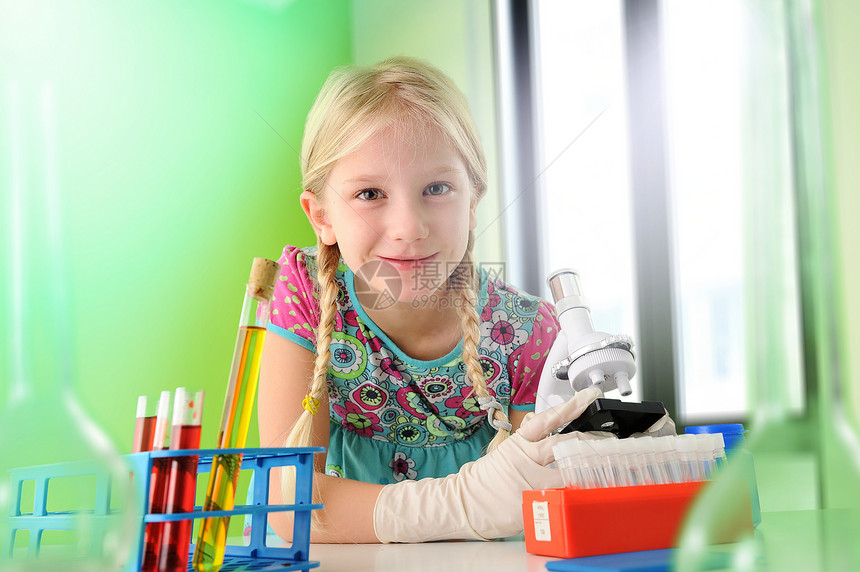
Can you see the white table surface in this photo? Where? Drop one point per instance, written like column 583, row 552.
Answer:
column 823, row 540
column 499, row 556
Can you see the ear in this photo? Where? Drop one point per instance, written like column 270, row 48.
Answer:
column 318, row 218
column 473, row 218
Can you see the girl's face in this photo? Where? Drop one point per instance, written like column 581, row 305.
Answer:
column 399, row 208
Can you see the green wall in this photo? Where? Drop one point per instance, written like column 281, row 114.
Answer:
column 840, row 20
column 177, row 127
column 179, row 160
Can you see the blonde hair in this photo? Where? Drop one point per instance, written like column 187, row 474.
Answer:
column 354, row 104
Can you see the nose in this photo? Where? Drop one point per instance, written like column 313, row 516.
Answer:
column 408, row 221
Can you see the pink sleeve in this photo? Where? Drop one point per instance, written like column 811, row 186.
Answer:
column 295, row 309
column 528, row 360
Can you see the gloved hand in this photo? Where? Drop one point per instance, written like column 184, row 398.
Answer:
column 593, row 435
column 484, row 499
column 664, row 426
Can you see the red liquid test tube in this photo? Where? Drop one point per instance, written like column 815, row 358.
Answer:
column 144, row 425
column 157, row 496
column 176, row 479
column 157, row 484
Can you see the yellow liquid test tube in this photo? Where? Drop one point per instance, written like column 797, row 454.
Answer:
column 236, row 415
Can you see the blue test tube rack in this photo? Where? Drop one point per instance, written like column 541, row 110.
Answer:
column 256, row 556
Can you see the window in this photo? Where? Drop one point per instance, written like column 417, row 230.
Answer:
column 727, row 176
column 583, row 191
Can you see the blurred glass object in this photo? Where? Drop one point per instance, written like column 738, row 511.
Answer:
column 822, row 539
column 730, row 174
column 41, row 420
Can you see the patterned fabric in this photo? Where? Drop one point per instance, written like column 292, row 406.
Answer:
column 394, row 417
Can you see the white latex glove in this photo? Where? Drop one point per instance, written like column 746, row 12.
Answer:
column 593, row 435
column 484, row 499
column 664, row 426
column 581, row 435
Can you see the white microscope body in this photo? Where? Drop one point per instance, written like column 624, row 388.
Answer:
column 581, row 357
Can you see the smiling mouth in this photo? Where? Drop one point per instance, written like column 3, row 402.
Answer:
column 408, row 262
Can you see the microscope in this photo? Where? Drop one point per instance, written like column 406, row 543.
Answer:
column 582, row 357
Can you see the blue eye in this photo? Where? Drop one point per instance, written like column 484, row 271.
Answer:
column 437, row 189
column 369, row 194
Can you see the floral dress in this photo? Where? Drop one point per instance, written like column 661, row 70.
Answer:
column 394, row 417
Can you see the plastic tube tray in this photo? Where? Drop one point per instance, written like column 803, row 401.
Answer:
column 570, row 522
column 256, row 556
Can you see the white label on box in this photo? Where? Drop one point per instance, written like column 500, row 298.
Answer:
column 540, row 515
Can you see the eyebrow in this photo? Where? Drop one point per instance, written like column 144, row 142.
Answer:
column 362, row 179
column 444, row 170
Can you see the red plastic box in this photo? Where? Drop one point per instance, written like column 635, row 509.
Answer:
column 570, row 522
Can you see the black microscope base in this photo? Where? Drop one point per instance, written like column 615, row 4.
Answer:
column 623, row 418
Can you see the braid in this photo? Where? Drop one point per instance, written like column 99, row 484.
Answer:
column 470, row 323
column 328, row 258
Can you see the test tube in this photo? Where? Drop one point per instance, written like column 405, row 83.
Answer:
column 144, row 424
column 640, row 448
column 182, row 481
column 705, row 455
column 686, row 446
column 614, row 463
column 161, row 419
column 719, row 444
column 637, row 471
column 625, row 464
column 567, row 457
column 653, row 471
column 667, row 455
column 236, row 415
column 591, row 473
column 157, row 487
column 563, row 451
column 604, row 472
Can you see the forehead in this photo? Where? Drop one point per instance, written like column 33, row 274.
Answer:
column 413, row 144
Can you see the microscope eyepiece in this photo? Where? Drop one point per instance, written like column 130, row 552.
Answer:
column 564, row 283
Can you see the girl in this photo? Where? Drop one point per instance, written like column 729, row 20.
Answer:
column 393, row 350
